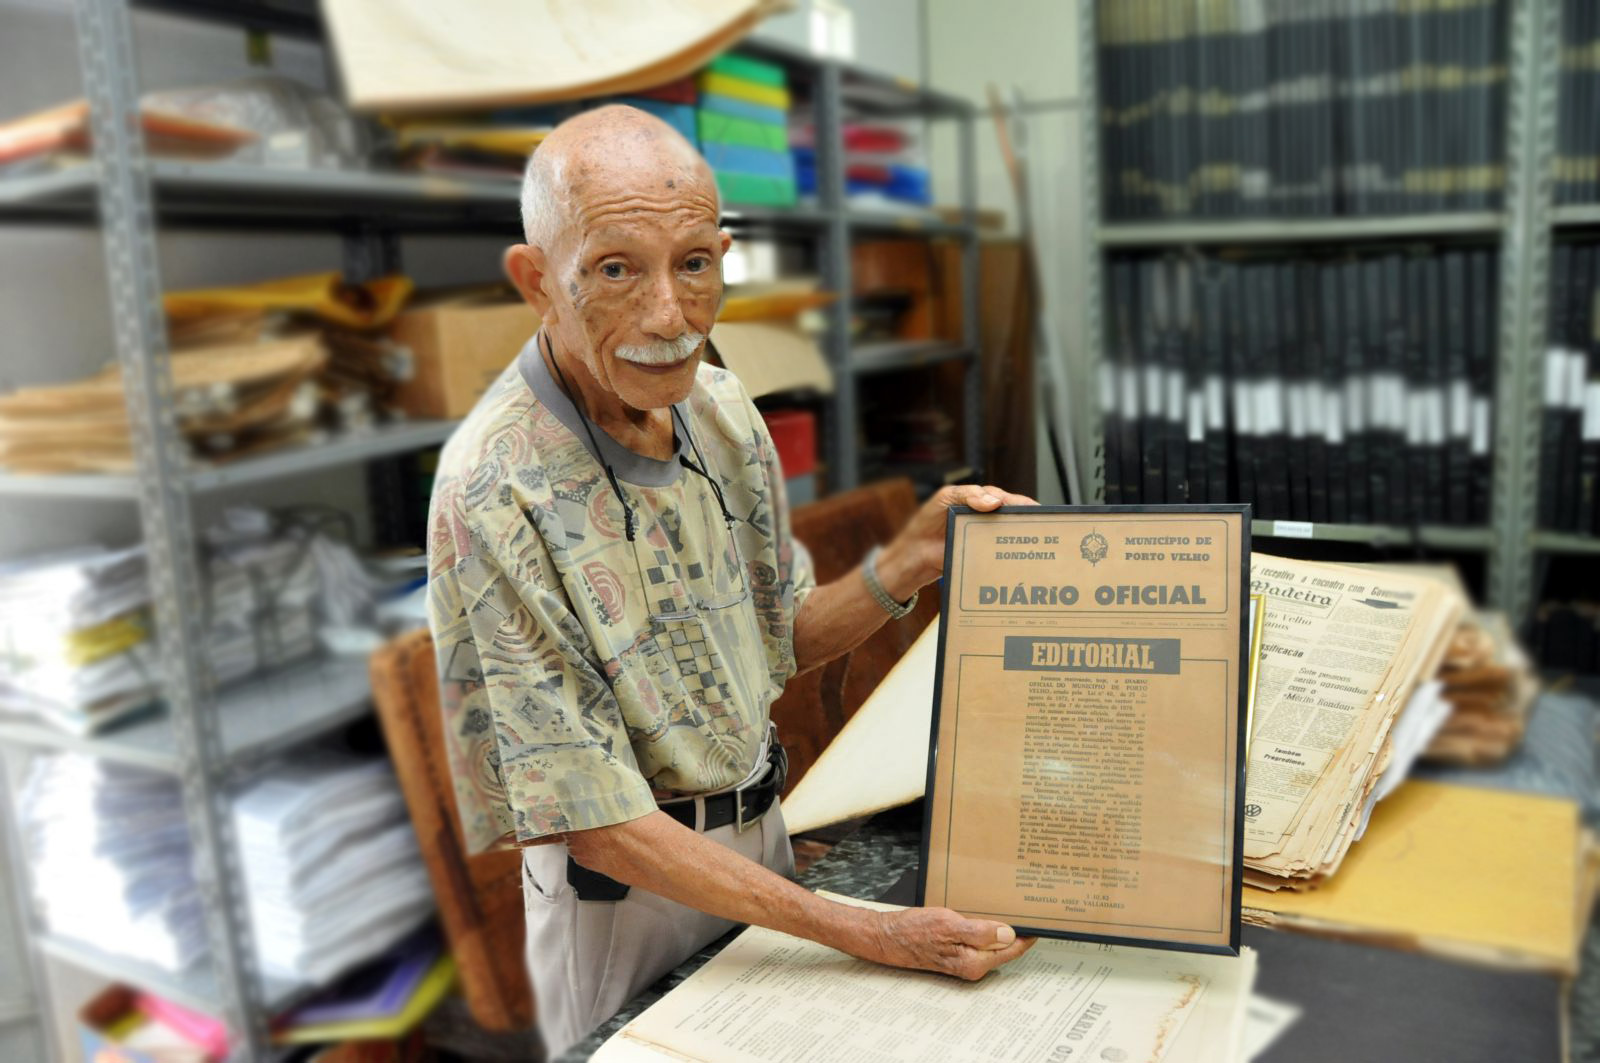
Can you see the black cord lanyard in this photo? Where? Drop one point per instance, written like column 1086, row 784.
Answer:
column 627, row 511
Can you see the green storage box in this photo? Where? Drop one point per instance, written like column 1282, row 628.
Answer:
column 726, row 129
column 751, row 190
column 740, row 66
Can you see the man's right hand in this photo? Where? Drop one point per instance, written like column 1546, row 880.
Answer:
column 938, row 939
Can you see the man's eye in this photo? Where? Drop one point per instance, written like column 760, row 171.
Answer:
column 697, row 264
column 613, row 270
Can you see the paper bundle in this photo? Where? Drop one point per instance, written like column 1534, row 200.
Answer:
column 231, row 399
column 1491, row 686
column 332, row 868
column 75, row 645
column 1344, row 649
column 111, row 859
column 1489, row 683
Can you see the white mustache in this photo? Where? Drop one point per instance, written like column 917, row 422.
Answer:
column 663, row 352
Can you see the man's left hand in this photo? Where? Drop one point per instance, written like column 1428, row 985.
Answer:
column 916, row 557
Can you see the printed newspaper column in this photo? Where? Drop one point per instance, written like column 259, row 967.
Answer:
column 1085, row 777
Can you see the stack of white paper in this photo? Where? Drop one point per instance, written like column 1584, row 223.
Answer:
column 75, row 644
column 263, row 600
column 332, row 868
column 111, row 859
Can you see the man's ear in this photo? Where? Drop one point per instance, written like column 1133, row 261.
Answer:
column 727, row 241
column 525, row 267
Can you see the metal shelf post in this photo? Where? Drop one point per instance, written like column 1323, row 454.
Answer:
column 972, row 378
column 1524, row 275
column 841, row 453
column 1092, row 458
column 133, row 276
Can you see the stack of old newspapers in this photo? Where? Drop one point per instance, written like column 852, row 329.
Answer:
column 1345, row 699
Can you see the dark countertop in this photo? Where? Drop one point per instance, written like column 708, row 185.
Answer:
column 864, row 864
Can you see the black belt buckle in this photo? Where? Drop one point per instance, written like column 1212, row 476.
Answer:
column 778, row 759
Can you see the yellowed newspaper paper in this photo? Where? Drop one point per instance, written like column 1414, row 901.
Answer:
column 880, row 759
column 769, row 997
column 1342, row 650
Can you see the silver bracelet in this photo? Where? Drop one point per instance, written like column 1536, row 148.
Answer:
column 869, row 570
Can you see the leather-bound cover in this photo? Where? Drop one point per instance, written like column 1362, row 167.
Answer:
column 839, row 531
column 480, row 897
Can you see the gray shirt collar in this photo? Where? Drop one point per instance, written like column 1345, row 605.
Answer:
column 636, row 469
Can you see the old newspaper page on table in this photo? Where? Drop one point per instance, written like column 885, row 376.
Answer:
column 772, row 998
column 1342, row 651
column 1086, row 771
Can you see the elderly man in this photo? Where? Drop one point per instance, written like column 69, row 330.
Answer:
column 616, row 600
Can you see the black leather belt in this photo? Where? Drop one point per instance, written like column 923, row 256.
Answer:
column 743, row 808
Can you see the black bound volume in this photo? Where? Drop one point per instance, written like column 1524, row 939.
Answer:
column 1458, row 394
column 1312, row 388
column 1276, row 109
column 1333, row 392
column 1553, row 415
column 1357, row 394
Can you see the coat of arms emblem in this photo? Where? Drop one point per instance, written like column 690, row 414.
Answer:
column 1094, row 548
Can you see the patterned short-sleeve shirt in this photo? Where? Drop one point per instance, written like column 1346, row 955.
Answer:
column 579, row 669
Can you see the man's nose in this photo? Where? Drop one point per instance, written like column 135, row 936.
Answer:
column 664, row 317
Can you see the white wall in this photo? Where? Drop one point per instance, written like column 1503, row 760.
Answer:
column 888, row 33
column 1032, row 46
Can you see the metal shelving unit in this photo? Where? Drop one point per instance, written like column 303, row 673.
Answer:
column 1523, row 231
column 203, row 735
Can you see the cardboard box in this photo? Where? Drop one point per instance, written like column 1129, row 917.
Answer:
column 459, row 345
column 769, row 358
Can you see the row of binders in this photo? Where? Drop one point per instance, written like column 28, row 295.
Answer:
column 1569, row 450
column 1347, row 390
column 1229, row 108
column 1577, row 165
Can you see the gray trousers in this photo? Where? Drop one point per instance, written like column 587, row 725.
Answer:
column 587, row 959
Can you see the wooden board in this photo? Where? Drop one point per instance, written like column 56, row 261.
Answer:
column 420, row 55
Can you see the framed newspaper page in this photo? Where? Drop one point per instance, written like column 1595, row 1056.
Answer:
column 1086, row 765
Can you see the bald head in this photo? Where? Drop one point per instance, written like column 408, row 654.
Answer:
column 604, row 156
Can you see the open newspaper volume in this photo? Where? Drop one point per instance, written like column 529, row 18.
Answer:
column 1338, row 715
column 768, row 996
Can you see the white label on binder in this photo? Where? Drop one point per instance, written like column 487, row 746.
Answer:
column 1313, row 399
column 1355, row 405
column 1175, row 397
column 1197, row 417
column 1108, row 388
column 1269, row 407
column 1394, row 394
column 1577, row 376
column 1152, row 390
column 1480, row 427
column 1293, row 529
column 1298, row 417
column 1416, row 419
column 1435, row 404
column 1555, row 377
column 1460, row 410
column 1333, row 416
column 1216, row 398
column 1244, row 399
column 1591, row 412
column 1130, row 393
